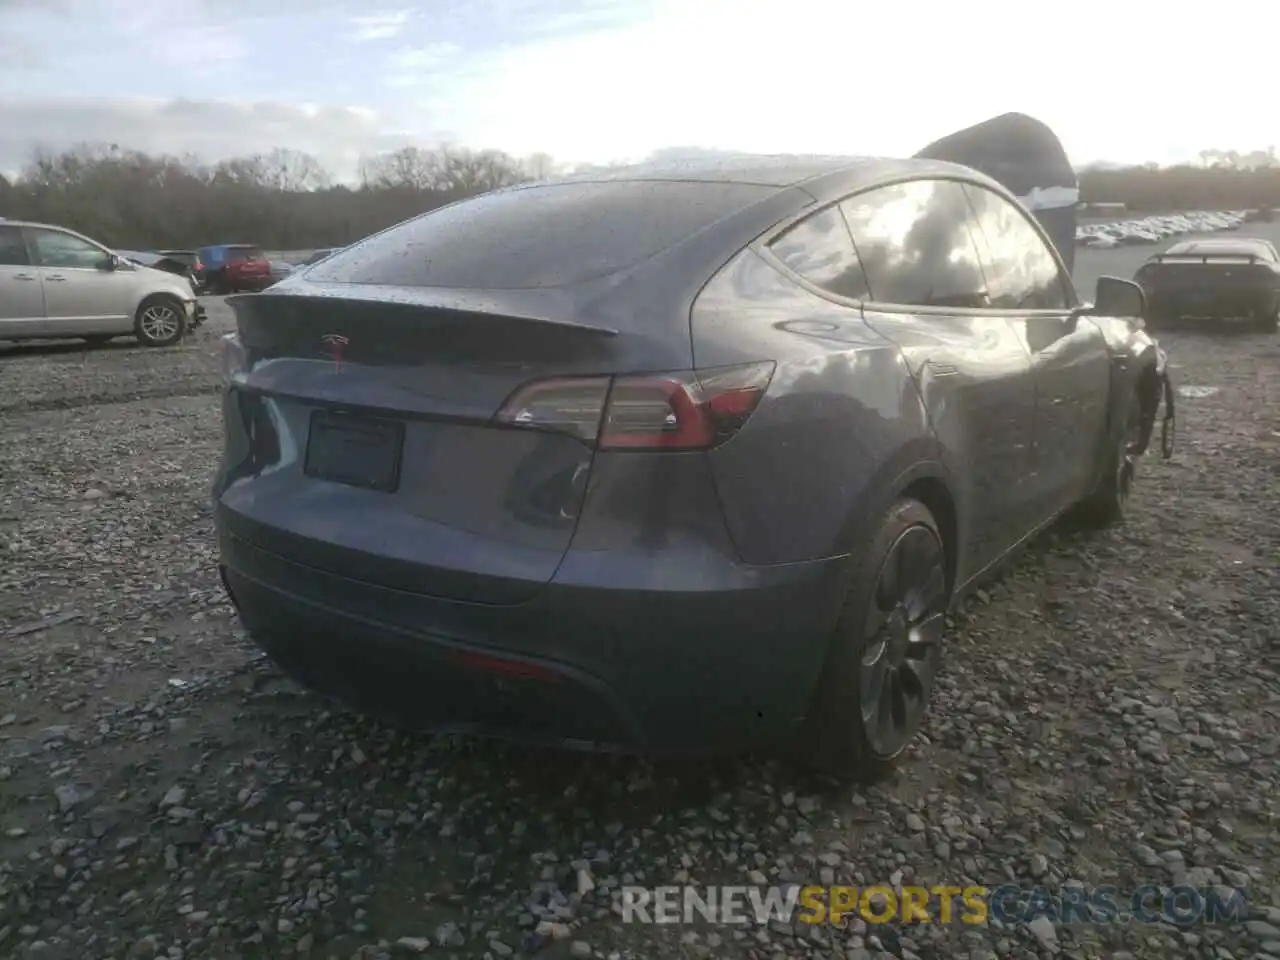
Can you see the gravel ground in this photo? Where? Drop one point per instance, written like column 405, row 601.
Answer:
column 1109, row 714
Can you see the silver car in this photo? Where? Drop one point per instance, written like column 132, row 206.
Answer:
column 56, row 283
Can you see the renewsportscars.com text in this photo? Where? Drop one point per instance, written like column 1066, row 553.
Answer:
column 1008, row 904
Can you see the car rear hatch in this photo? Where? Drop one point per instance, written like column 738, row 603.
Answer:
column 377, row 446
column 1206, row 281
column 424, row 408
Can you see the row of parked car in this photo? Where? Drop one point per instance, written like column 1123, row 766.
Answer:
column 223, row 268
column 56, row 283
column 1154, row 229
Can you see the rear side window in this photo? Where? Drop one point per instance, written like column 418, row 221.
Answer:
column 544, row 236
column 820, row 250
column 13, row 249
column 916, row 245
column 1022, row 272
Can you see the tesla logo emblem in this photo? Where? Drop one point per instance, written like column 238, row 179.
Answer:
column 334, row 344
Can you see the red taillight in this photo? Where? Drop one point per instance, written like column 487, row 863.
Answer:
column 667, row 411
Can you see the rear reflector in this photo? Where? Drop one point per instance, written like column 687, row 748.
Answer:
column 667, row 411
column 504, row 667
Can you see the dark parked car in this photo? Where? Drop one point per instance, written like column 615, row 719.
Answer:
column 1214, row 279
column 696, row 458
column 195, row 266
column 235, row 268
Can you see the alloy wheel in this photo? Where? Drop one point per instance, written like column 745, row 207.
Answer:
column 903, row 640
column 159, row 322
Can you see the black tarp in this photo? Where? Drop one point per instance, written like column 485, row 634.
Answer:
column 1027, row 157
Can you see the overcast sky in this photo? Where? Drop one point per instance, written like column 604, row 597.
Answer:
column 601, row 80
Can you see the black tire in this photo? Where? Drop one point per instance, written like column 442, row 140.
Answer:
column 894, row 613
column 161, row 321
column 1107, row 504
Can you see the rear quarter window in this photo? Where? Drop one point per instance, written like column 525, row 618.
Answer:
column 820, row 249
column 546, row 236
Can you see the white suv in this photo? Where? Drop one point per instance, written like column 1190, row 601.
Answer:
column 55, row 283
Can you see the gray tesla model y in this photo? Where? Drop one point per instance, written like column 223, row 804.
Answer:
column 669, row 459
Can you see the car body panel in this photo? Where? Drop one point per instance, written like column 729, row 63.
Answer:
column 21, row 301
column 832, row 368
column 21, row 288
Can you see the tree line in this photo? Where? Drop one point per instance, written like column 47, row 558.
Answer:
column 286, row 200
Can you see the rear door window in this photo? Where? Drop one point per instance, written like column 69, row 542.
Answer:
column 13, row 248
column 545, row 236
column 820, row 249
column 1022, row 271
column 916, row 246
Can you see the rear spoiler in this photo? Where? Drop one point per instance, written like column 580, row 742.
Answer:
column 1027, row 158
column 545, row 308
column 1249, row 258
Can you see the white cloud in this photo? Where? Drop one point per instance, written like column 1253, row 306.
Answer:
column 602, row 80
column 823, row 77
column 205, row 51
column 380, row 26
column 414, row 66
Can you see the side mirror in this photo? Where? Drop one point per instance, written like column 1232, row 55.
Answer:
column 112, row 262
column 1119, row 298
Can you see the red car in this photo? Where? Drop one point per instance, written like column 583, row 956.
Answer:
column 235, row 268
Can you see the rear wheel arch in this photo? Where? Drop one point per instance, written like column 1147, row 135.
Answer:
column 835, row 738
column 932, row 491
column 915, row 473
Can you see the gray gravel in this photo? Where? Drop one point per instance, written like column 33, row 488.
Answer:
column 1109, row 713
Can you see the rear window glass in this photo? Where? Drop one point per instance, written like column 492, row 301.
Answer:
column 244, row 253
column 545, row 236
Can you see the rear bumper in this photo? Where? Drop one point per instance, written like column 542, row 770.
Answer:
column 586, row 665
column 1216, row 304
column 249, row 284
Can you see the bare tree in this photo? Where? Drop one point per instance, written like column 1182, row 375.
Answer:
column 294, row 171
column 285, row 200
